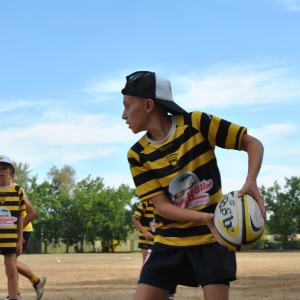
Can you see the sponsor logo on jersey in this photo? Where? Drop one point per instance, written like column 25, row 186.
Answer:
column 6, row 220
column 166, row 147
column 153, row 225
column 172, row 160
column 187, row 191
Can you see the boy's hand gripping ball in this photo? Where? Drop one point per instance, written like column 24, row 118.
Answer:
column 238, row 221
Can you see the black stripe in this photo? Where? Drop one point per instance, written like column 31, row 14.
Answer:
column 137, row 148
column 151, row 192
column 17, row 187
column 183, row 232
column 9, row 194
column 139, row 210
column 238, row 138
column 178, row 142
column 185, row 159
column 222, row 133
column 12, row 203
column 207, row 209
column 204, row 124
column 5, row 240
column 133, row 162
column 187, row 119
column 244, row 240
column 8, row 231
column 143, row 177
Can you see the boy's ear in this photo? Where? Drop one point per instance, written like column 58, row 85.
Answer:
column 149, row 103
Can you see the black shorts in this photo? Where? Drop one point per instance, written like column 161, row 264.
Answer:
column 144, row 246
column 204, row 265
column 8, row 250
column 26, row 237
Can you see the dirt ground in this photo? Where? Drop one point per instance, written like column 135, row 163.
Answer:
column 114, row 276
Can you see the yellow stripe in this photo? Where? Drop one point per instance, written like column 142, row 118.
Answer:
column 8, row 245
column 8, row 236
column 193, row 165
column 148, row 186
column 186, row 241
column 231, row 137
column 146, row 242
column 152, row 195
column 240, row 141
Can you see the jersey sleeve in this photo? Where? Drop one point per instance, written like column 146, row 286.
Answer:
column 22, row 205
column 140, row 211
column 217, row 131
column 147, row 185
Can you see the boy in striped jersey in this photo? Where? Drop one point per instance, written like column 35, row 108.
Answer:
column 11, row 224
column 174, row 166
column 28, row 215
column 143, row 219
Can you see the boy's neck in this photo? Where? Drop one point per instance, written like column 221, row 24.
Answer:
column 159, row 127
column 4, row 184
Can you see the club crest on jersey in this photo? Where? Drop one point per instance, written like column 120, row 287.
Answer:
column 2, row 200
column 172, row 160
column 6, row 220
column 187, row 191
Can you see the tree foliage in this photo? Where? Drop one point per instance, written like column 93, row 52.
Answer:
column 22, row 176
column 284, row 207
column 84, row 211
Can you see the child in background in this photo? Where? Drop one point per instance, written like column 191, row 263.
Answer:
column 11, row 224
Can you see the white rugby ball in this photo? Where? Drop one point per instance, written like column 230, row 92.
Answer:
column 238, row 221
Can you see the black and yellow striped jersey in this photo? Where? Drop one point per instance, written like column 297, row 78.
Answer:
column 11, row 204
column 145, row 214
column 184, row 167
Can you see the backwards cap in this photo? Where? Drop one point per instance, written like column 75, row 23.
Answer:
column 152, row 86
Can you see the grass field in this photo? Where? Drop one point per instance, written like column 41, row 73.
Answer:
column 111, row 277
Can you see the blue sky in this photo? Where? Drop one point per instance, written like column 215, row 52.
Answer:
column 63, row 64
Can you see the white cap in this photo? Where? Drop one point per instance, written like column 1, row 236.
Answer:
column 5, row 159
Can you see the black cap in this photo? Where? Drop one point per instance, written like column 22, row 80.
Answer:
column 153, row 86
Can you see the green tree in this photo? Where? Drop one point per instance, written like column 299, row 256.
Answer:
column 284, row 207
column 65, row 178
column 116, row 209
column 86, row 197
column 22, row 176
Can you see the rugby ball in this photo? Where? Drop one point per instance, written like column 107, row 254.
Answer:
column 238, row 221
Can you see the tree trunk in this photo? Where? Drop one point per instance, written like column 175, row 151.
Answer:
column 81, row 244
column 285, row 243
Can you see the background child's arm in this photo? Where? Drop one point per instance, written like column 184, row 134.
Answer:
column 20, row 234
column 172, row 212
column 137, row 223
column 255, row 151
column 30, row 212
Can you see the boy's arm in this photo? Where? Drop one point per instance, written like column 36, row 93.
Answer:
column 146, row 233
column 255, row 151
column 172, row 212
column 20, row 234
column 30, row 212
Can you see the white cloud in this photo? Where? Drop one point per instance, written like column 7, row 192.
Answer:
column 236, row 85
column 10, row 105
column 273, row 132
column 293, row 5
column 103, row 88
column 78, row 137
column 116, row 179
